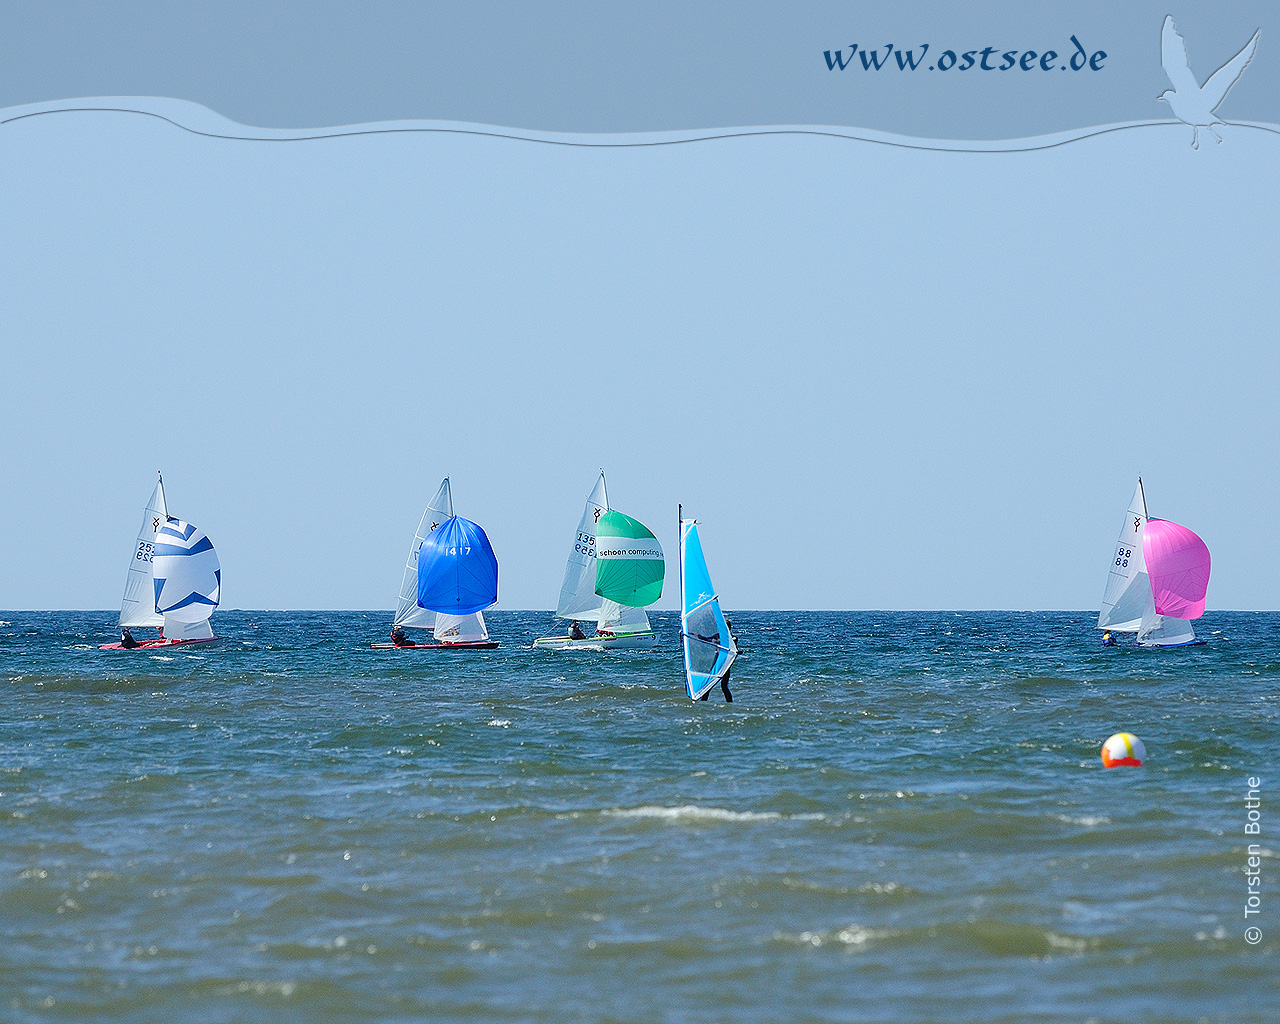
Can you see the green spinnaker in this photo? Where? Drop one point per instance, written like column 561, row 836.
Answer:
column 629, row 563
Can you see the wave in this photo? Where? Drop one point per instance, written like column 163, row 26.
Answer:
column 201, row 120
column 694, row 812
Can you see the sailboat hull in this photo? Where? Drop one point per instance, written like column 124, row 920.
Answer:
column 617, row 642
column 461, row 645
column 151, row 645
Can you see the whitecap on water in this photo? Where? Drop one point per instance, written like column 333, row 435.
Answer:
column 499, row 723
column 692, row 812
column 1087, row 820
column 160, row 657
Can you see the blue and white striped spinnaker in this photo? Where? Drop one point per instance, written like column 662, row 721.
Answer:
column 187, row 579
column 709, row 648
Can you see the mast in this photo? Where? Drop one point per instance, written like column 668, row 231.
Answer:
column 680, row 559
column 1144, row 499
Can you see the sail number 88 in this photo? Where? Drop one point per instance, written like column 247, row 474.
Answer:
column 1122, row 557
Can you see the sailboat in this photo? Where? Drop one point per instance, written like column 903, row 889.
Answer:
column 1157, row 581
column 174, row 580
column 709, row 646
column 450, row 577
column 628, row 575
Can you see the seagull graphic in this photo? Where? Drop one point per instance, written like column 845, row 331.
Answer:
column 1191, row 102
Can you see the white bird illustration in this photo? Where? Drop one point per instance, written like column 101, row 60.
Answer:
column 1191, row 102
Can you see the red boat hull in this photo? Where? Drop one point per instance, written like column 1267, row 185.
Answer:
column 151, row 645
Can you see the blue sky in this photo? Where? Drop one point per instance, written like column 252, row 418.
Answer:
column 882, row 378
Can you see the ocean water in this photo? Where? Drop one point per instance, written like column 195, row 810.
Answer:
column 902, row 817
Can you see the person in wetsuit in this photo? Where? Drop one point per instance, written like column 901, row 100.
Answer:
column 724, row 679
column 126, row 639
column 575, row 631
column 399, row 639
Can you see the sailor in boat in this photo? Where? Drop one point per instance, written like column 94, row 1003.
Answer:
column 1108, row 640
column 399, row 639
column 126, row 639
column 575, row 631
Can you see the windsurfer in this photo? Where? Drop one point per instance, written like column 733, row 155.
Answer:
column 126, row 639
column 575, row 631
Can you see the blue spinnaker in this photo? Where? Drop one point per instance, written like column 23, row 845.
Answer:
column 457, row 569
column 709, row 647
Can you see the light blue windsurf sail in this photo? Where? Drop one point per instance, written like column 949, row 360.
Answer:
column 709, row 647
column 457, row 569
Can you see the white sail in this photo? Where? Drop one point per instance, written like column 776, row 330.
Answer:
column 452, row 629
column 408, row 614
column 139, row 605
column 578, row 598
column 1128, row 590
column 176, row 630
column 619, row 618
column 1162, row 630
column 188, row 578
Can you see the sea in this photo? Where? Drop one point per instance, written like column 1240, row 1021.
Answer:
column 901, row 817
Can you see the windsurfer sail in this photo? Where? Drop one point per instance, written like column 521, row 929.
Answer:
column 709, row 646
column 1157, row 581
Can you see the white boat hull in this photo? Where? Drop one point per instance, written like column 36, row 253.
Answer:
column 620, row 641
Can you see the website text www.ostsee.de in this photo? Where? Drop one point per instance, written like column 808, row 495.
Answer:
column 1073, row 57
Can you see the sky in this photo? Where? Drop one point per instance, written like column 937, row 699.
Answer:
column 880, row 377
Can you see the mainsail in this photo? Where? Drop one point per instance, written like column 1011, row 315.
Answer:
column 1128, row 590
column 187, row 579
column 709, row 647
column 138, row 608
column 629, row 564
column 457, row 569
column 578, row 597
column 408, row 611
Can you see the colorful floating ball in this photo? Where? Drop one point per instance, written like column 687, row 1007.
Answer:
column 1124, row 748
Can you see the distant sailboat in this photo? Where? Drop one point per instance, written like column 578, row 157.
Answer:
column 709, row 646
column 1157, row 581
column 619, row 623
column 453, row 566
column 173, row 583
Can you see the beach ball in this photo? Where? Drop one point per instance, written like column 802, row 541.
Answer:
column 1123, row 748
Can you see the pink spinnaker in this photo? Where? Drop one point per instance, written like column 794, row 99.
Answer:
column 1178, row 564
